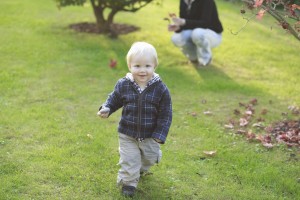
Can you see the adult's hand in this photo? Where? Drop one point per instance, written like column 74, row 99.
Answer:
column 173, row 27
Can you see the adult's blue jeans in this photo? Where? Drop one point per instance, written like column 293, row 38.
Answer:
column 196, row 44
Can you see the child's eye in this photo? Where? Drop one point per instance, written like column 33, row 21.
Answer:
column 148, row 65
column 137, row 66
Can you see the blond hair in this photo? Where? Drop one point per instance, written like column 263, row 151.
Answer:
column 142, row 49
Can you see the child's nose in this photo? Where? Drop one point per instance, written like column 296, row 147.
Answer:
column 143, row 68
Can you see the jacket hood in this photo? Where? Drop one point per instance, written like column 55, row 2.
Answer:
column 154, row 79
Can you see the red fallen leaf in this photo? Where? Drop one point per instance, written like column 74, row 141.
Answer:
column 243, row 122
column 232, row 121
column 253, row 101
column 283, row 137
column 284, row 25
column 267, row 139
column 264, row 138
column 240, row 131
column 269, row 129
column 295, row 139
column 210, row 153
column 264, row 111
column 112, row 63
column 242, row 104
column 260, row 119
column 237, row 112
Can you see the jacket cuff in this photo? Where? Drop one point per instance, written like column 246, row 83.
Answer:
column 159, row 138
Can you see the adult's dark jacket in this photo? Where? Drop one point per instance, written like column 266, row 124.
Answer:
column 202, row 14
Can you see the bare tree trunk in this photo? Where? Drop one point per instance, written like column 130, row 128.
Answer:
column 102, row 24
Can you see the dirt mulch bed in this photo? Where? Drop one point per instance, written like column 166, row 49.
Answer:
column 118, row 29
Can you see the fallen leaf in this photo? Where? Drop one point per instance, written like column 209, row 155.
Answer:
column 260, row 119
column 248, row 112
column 237, row 112
column 112, row 63
column 167, row 19
column 243, row 122
column 194, row 114
column 210, row 153
column 240, row 131
column 268, row 145
column 253, row 101
column 89, row 136
column 284, row 114
column 207, row 113
column 259, row 125
column 260, row 138
column 250, row 135
column 242, row 104
column 230, row 126
column 264, row 111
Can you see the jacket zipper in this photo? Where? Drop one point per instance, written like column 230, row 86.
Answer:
column 140, row 100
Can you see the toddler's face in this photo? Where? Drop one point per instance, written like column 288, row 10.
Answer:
column 142, row 69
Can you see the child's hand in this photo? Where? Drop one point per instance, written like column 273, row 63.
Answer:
column 104, row 112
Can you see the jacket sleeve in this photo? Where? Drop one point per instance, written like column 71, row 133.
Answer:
column 114, row 101
column 164, row 119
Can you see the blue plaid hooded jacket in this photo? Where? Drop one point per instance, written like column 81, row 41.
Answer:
column 145, row 114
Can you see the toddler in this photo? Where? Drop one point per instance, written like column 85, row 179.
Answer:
column 146, row 115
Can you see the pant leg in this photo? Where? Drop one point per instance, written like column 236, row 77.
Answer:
column 184, row 41
column 130, row 161
column 205, row 40
column 150, row 154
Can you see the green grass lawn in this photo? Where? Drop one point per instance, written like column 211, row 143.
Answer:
column 53, row 146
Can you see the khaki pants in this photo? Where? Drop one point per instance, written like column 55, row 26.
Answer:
column 136, row 157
